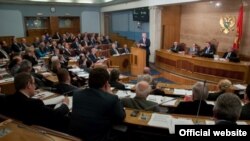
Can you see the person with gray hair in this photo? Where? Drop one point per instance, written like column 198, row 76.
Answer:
column 227, row 109
column 142, row 90
column 198, row 105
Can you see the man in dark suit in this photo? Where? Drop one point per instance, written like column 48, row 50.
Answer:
column 95, row 109
column 64, row 86
column 208, row 51
column 198, row 103
column 92, row 56
column 114, row 80
column 175, row 48
column 33, row 111
column 245, row 113
column 230, row 54
column 16, row 47
column 145, row 44
column 114, row 50
column 227, row 109
column 139, row 102
column 126, row 49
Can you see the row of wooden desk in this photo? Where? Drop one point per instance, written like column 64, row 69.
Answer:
column 200, row 68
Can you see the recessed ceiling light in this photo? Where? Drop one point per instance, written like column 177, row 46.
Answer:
column 217, row 4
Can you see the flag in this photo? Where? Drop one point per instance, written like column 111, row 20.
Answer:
column 239, row 29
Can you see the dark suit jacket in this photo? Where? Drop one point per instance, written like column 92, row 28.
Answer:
column 62, row 88
column 214, row 96
column 225, row 122
column 147, row 42
column 232, row 55
column 16, row 47
column 31, row 59
column 245, row 113
column 93, row 114
column 211, row 52
column 191, row 108
column 177, row 49
column 141, row 104
column 33, row 111
column 117, row 85
column 113, row 52
column 93, row 58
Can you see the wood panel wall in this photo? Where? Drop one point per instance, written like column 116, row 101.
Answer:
column 171, row 20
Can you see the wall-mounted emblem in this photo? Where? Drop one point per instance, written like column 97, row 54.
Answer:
column 227, row 24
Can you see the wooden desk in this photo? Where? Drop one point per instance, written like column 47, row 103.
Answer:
column 123, row 61
column 141, row 122
column 16, row 131
column 199, row 68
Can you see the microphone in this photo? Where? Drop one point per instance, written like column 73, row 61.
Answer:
column 199, row 106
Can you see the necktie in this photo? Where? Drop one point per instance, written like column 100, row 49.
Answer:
column 228, row 55
column 207, row 51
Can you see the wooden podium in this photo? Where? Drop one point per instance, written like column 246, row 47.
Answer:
column 138, row 60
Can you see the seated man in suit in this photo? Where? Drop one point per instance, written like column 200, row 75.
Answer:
column 224, row 86
column 126, row 49
column 114, row 50
column 229, row 54
column 194, row 50
column 142, row 90
column 92, row 56
column 227, row 109
column 114, row 80
column 208, row 51
column 33, row 111
column 175, row 48
column 64, row 86
column 198, row 104
column 245, row 113
column 96, row 109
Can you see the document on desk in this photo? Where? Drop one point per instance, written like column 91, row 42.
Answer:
column 182, row 92
column 178, row 121
column 7, row 80
column 83, row 74
column 76, row 70
column 70, row 103
column 240, row 87
column 160, row 120
column 54, row 100
column 42, row 95
column 155, row 98
column 170, row 103
column 129, row 86
column 123, row 94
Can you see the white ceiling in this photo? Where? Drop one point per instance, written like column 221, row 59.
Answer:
column 68, row 2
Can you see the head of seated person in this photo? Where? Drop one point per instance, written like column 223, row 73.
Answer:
column 114, row 75
column 63, row 76
column 225, row 85
column 142, row 89
column 55, row 66
column 227, row 109
column 200, row 91
column 146, row 70
column 145, row 77
column 25, row 66
column 25, row 82
column 100, row 65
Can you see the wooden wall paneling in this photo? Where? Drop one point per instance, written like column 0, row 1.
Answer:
column 54, row 25
column 171, row 20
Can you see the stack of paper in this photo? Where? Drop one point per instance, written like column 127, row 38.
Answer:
column 70, row 103
column 155, row 98
column 83, row 74
column 76, row 70
column 123, row 94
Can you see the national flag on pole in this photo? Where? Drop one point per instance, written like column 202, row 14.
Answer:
column 239, row 27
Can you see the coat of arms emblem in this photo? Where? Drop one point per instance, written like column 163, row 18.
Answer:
column 227, row 24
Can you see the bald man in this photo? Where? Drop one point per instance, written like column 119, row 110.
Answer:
column 142, row 90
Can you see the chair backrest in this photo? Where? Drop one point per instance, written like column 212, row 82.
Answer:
column 215, row 43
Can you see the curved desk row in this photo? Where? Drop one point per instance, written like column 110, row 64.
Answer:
column 202, row 68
